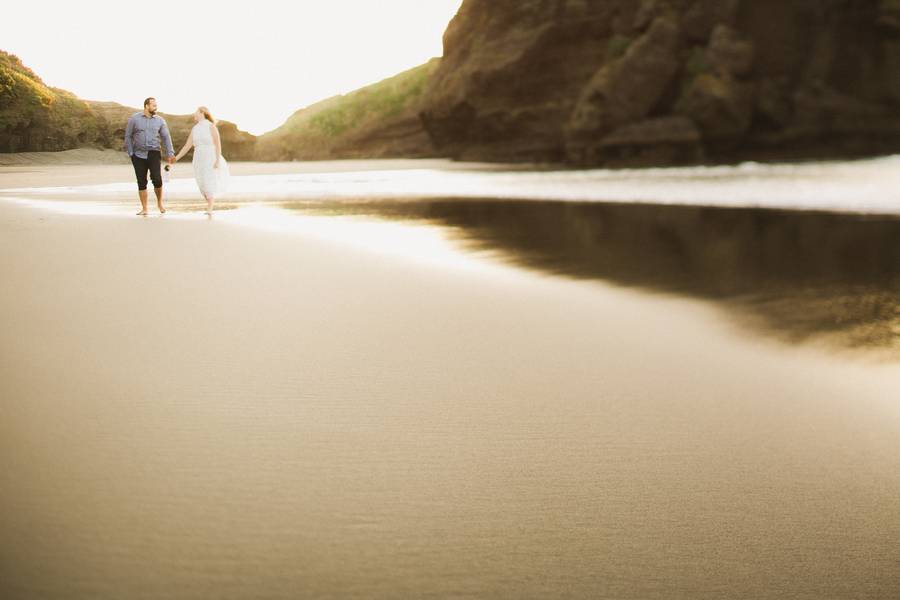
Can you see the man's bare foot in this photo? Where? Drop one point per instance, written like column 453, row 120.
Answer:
column 143, row 213
column 162, row 210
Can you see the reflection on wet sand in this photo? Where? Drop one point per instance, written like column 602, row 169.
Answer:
column 800, row 276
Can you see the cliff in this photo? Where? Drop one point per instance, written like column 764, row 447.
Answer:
column 586, row 82
column 629, row 82
column 37, row 118
column 378, row 121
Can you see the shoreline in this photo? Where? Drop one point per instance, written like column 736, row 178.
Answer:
column 864, row 188
column 90, row 173
column 787, row 301
column 105, row 156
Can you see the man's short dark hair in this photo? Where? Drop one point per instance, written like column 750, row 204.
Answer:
column 147, row 101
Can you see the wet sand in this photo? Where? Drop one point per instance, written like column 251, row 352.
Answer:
column 48, row 169
column 194, row 409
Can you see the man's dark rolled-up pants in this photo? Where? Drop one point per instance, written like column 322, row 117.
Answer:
column 142, row 165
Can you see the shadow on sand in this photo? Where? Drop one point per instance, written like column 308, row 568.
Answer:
column 796, row 275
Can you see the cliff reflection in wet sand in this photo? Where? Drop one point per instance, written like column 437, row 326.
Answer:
column 800, row 276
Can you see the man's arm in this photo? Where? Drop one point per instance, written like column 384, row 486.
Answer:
column 128, row 131
column 167, row 139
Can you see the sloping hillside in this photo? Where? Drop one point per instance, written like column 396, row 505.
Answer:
column 380, row 120
column 35, row 117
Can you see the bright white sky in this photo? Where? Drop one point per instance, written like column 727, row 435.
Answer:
column 255, row 65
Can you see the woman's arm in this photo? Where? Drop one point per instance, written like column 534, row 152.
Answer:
column 186, row 147
column 218, row 142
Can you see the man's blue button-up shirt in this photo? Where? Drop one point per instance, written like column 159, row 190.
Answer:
column 142, row 134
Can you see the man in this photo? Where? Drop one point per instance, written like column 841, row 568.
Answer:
column 142, row 143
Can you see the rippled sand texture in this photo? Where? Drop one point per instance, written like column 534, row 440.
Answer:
column 197, row 409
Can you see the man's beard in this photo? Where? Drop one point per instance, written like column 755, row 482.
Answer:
column 152, row 112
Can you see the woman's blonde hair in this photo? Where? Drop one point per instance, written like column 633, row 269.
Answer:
column 205, row 112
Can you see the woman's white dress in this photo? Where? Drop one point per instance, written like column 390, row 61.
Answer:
column 212, row 182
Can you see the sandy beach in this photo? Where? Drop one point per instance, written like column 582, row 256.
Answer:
column 195, row 408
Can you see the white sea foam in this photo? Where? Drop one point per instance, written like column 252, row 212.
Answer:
column 866, row 186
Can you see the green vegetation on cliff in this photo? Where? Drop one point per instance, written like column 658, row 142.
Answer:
column 36, row 117
column 357, row 123
column 380, row 120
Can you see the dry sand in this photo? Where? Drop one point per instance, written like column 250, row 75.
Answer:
column 195, row 409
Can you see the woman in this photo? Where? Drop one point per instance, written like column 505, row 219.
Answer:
column 210, row 167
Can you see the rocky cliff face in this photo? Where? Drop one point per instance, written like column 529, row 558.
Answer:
column 638, row 82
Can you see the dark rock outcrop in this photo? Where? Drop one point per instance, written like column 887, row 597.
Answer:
column 631, row 82
column 624, row 91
